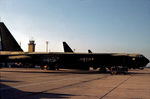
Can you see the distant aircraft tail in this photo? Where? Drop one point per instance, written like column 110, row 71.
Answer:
column 7, row 41
column 67, row 48
column 89, row 51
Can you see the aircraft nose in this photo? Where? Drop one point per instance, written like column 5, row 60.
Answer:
column 146, row 60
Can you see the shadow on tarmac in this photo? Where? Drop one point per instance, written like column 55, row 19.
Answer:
column 8, row 81
column 71, row 72
column 134, row 73
column 60, row 72
column 7, row 92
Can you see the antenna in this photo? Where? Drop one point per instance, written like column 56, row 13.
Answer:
column 31, row 38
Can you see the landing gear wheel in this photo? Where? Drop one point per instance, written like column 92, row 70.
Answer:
column 42, row 67
column 103, row 70
column 114, row 72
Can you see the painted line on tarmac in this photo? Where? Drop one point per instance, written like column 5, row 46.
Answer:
column 39, row 83
column 85, row 81
column 115, row 87
column 69, row 85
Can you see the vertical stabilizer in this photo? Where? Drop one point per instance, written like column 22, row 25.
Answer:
column 66, row 47
column 89, row 51
column 7, row 41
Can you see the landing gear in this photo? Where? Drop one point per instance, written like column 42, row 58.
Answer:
column 52, row 67
column 118, row 70
column 49, row 67
column 102, row 69
column 42, row 67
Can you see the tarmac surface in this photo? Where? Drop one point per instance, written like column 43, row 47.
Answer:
column 21, row 83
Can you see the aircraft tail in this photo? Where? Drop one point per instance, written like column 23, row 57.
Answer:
column 7, row 41
column 89, row 51
column 67, row 48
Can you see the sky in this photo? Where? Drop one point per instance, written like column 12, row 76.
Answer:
column 104, row 26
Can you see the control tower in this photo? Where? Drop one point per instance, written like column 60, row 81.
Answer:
column 31, row 46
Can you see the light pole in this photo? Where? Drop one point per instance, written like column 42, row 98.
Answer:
column 46, row 46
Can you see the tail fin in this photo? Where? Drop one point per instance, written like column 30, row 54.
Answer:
column 66, row 47
column 7, row 41
column 89, row 51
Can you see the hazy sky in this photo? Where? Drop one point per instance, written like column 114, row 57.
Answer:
column 121, row 26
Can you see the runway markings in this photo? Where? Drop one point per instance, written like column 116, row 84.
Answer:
column 39, row 83
column 68, row 85
column 115, row 87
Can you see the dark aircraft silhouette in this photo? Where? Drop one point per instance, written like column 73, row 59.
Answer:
column 68, row 49
column 114, row 58
column 89, row 51
column 12, row 52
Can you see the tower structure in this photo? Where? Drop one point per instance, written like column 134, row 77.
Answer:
column 31, row 46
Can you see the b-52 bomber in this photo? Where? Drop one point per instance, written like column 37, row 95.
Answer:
column 10, row 51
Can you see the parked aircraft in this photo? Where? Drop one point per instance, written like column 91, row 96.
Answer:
column 126, row 56
column 12, row 52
